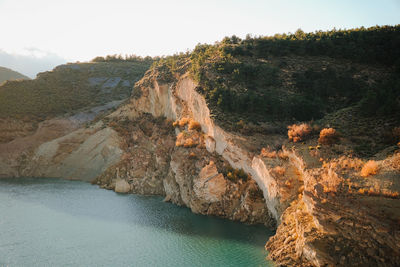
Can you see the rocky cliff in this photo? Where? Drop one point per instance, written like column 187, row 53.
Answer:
column 328, row 213
column 165, row 141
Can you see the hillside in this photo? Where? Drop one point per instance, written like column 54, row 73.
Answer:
column 326, row 78
column 9, row 74
column 70, row 88
column 300, row 76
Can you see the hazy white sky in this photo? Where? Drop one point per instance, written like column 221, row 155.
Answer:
column 82, row 29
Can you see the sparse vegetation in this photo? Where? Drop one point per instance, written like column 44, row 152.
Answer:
column 267, row 153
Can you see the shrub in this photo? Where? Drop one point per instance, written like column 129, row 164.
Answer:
column 194, row 125
column 369, row 168
column 265, row 152
column 189, row 143
column 346, row 163
column 328, row 136
column 299, row 132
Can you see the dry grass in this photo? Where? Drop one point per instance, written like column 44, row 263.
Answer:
column 267, row 153
column 299, row 132
column 328, row 136
column 369, row 168
column 350, row 163
column 329, row 177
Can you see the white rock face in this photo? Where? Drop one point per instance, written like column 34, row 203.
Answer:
column 267, row 184
column 82, row 154
column 182, row 100
column 210, row 185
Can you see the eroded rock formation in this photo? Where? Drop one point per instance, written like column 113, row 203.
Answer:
column 324, row 215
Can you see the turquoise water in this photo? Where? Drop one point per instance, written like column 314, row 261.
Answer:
column 49, row 222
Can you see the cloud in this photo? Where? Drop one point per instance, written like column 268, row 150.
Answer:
column 30, row 61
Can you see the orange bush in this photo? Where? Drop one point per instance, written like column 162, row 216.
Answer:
column 369, row 168
column 194, row 125
column 328, row 136
column 299, row 132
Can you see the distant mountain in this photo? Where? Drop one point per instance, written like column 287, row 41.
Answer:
column 30, row 63
column 9, row 74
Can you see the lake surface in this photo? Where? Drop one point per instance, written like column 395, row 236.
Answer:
column 50, row 222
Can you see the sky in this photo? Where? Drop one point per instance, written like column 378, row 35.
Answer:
column 57, row 31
